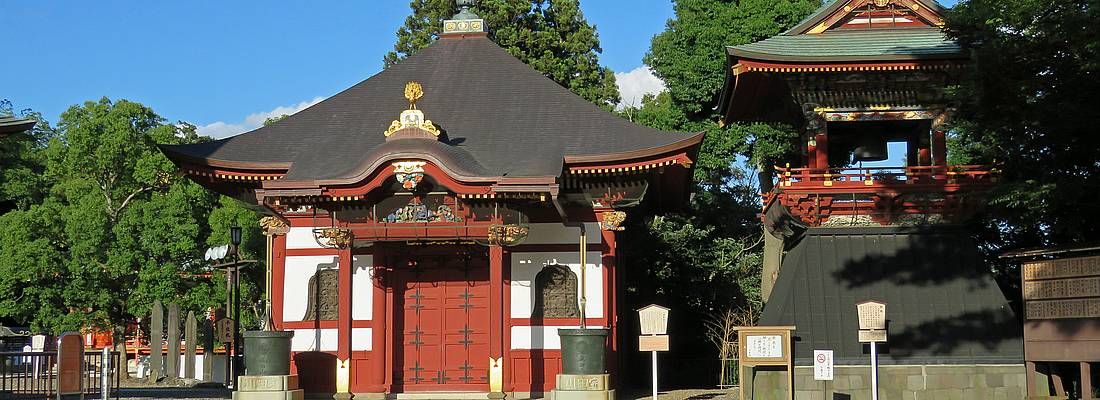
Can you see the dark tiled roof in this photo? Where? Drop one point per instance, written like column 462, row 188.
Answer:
column 853, row 45
column 499, row 116
column 943, row 305
column 15, row 125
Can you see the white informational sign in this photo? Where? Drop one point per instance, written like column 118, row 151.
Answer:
column 654, row 319
column 764, row 346
column 872, row 314
column 823, row 365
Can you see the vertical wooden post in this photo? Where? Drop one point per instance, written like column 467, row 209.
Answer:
column 378, row 323
column 1086, row 381
column 939, row 148
column 822, row 153
column 343, row 323
column 496, row 305
column 1029, row 370
column 191, row 341
column 156, row 341
column 173, row 361
column 207, row 350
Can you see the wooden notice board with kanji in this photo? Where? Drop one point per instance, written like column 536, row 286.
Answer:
column 764, row 346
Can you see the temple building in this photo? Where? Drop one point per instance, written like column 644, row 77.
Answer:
column 446, row 215
column 870, row 208
column 10, row 125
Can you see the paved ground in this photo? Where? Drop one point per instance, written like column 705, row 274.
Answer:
column 210, row 394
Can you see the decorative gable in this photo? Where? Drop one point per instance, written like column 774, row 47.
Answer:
column 875, row 14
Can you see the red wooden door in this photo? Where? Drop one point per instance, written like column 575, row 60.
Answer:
column 444, row 324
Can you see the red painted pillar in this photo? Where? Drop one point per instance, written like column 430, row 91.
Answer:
column 939, row 148
column 378, row 326
column 611, row 300
column 278, row 276
column 822, row 154
column 496, row 304
column 343, row 322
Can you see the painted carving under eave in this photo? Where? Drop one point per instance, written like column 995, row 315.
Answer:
column 507, row 235
column 421, row 213
column 409, row 173
column 273, row 226
column 613, row 220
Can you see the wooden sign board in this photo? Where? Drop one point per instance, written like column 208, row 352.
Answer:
column 872, row 335
column 653, row 343
column 654, row 319
column 872, row 314
column 223, row 329
column 765, row 346
column 70, row 362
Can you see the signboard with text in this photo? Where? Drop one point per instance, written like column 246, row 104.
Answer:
column 823, row 365
column 765, row 346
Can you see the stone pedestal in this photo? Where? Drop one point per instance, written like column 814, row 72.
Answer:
column 582, row 387
column 268, row 387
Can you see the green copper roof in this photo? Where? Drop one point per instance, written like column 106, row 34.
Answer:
column 853, row 45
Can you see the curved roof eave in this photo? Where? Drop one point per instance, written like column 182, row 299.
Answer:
column 637, row 154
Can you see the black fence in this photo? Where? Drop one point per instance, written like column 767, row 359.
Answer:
column 33, row 375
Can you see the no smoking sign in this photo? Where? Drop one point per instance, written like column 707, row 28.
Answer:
column 823, row 365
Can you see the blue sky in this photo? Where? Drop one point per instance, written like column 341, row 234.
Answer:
column 227, row 65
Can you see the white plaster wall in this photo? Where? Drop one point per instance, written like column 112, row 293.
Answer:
column 362, row 288
column 301, row 238
column 361, row 339
column 296, row 276
column 538, row 337
column 526, row 265
column 556, row 233
column 306, row 340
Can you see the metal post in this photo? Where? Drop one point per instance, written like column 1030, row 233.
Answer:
column 874, row 371
column 584, row 279
column 105, row 375
column 654, row 374
column 228, row 310
column 236, row 319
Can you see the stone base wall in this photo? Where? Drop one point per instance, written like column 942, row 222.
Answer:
column 904, row 382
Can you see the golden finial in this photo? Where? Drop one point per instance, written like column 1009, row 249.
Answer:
column 413, row 92
column 412, row 118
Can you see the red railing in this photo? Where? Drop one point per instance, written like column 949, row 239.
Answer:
column 882, row 195
column 881, row 176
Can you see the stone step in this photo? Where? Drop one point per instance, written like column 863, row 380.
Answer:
column 297, row 394
column 268, row 383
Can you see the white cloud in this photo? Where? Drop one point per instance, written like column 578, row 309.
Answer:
column 637, row 83
column 221, row 129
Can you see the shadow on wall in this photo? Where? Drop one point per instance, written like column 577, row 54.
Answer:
column 916, row 259
column 316, row 372
column 939, row 336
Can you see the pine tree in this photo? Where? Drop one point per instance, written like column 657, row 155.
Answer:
column 551, row 36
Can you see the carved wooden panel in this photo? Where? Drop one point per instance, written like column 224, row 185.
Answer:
column 323, row 298
column 556, row 293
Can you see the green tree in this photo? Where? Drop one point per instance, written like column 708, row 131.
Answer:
column 550, row 36
column 1026, row 105
column 116, row 229
column 724, row 232
column 21, row 161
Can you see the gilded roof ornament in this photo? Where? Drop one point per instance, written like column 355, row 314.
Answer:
column 412, row 118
